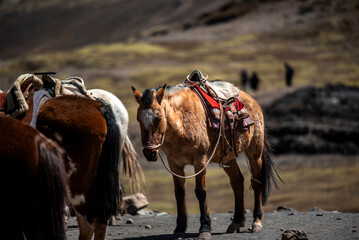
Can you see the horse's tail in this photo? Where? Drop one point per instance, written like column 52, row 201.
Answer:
column 53, row 191
column 131, row 166
column 268, row 171
column 106, row 188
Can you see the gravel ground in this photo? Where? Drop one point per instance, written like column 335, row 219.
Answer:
column 316, row 224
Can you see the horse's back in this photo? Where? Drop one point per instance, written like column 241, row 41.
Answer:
column 119, row 110
column 250, row 103
column 73, row 113
column 17, row 143
column 117, row 106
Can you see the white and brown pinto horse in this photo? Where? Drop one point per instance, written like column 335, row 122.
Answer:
column 173, row 119
column 127, row 151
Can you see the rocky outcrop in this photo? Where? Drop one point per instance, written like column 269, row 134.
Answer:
column 315, row 121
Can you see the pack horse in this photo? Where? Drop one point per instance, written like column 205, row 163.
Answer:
column 174, row 119
column 92, row 137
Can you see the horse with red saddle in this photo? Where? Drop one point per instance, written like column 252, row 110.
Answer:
column 175, row 120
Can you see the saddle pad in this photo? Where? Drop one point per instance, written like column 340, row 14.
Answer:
column 212, row 107
column 75, row 86
column 2, row 100
column 224, row 90
column 210, row 100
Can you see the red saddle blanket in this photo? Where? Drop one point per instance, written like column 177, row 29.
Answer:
column 2, row 101
column 214, row 104
column 235, row 106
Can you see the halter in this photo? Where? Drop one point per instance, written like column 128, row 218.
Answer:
column 151, row 147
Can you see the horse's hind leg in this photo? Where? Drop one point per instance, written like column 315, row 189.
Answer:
column 86, row 229
column 205, row 228
column 236, row 179
column 255, row 162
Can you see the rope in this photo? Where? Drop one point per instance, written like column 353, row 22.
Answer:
column 250, row 170
column 156, row 146
column 209, row 160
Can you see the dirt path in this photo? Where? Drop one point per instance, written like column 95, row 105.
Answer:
column 316, row 224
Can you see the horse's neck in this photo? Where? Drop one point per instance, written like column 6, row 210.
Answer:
column 183, row 111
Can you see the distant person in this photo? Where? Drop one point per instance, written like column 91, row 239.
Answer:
column 289, row 72
column 244, row 79
column 254, row 81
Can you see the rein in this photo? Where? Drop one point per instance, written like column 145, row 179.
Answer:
column 209, row 160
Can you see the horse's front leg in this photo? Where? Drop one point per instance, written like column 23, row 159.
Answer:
column 205, row 228
column 100, row 230
column 179, row 184
column 236, row 179
column 86, row 229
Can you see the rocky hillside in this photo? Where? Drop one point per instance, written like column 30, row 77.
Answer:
column 36, row 26
column 315, row 121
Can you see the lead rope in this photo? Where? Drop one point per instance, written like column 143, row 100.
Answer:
column 250, row 170
column 209, row 160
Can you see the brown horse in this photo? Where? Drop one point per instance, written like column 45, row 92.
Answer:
column 174, row 119
column 88, row 131
column 33, row 183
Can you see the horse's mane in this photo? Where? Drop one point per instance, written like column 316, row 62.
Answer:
column 147, row 95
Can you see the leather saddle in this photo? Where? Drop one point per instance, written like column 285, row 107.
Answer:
column 235, row 111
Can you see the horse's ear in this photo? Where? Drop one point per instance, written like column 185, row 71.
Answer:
column 137, row 94
column 160, row 94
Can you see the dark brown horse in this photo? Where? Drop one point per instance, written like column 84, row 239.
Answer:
column 174, row 120
column 33, row 183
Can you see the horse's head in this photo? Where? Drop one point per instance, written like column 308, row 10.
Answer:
column 151, row 116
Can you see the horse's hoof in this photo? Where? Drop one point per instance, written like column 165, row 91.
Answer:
column 233, row 228
column 257, row 227
column 204, row 235
column 178, row 235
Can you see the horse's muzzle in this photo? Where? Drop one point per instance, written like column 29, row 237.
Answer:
column 150, row 154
